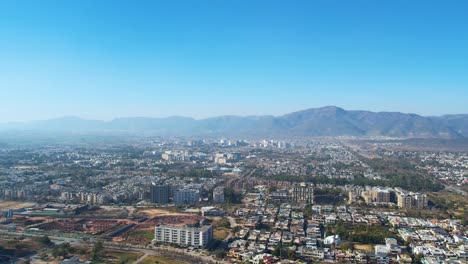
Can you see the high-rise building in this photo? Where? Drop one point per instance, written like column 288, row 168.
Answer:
column 197, row 236
column 160, row 193
column 410, row 200
column 220, row 158
column 419, row 201
column 175, row 155
column 218, row 194
column 303, row 193
column 381, row 196
column 186, row 195
column 404, row 200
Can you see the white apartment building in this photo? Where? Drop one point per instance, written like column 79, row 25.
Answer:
column 184, row 236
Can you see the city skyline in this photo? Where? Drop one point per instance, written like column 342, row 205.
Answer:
column 116, row 59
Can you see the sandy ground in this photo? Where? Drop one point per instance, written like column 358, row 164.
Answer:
column 367, row 248
column 153, row 212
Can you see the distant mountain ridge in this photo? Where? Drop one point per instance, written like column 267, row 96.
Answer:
column 323, row 121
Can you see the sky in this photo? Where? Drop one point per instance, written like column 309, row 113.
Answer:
column 103, row 59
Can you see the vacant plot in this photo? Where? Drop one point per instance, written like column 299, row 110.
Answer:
column 368, row 248
column 161, row 260
column 175, row 219
column 13, row 205
column 107, row 212
column 154, row 212
column 114, row 256
column 124, row 257
column 220, row 233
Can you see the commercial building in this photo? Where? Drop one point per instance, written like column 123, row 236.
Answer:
column 197, row 236
column 160, row 193
column 218, row 194
column 211, row 211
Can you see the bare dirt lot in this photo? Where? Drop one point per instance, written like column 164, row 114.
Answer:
column 14, row 205
column 154, row 212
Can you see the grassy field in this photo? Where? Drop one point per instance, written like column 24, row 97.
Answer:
column 161, row 260
column 148, row 234
column 111, row 212
column 140, row 236
column 51, row 213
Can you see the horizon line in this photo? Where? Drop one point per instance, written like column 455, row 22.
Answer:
column 216, row 116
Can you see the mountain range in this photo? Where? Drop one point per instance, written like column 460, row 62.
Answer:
column 324, row 121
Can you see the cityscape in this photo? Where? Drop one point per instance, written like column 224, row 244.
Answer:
column 233, row 132
column 228, row 200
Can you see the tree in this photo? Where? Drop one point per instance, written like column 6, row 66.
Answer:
column 236, row 229
column 97, row 250
column 272, row 189
column 417, row 259
column 45, row 240
column 347, row 246
column 292, row 254
column 61, row 250
column 231, row 196
column 220, row 253
column 277, row 251
column 308, row 211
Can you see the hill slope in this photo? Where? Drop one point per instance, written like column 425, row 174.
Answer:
column 324, row 121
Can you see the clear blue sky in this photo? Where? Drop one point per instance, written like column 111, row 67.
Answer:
column 104, row 59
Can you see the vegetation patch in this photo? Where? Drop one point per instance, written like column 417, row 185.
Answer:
column 161, row 260
column 365, row 234
column 19, row 247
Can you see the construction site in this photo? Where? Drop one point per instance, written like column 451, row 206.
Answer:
column 137, row 229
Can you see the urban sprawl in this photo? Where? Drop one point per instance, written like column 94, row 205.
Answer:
column 192, row 200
